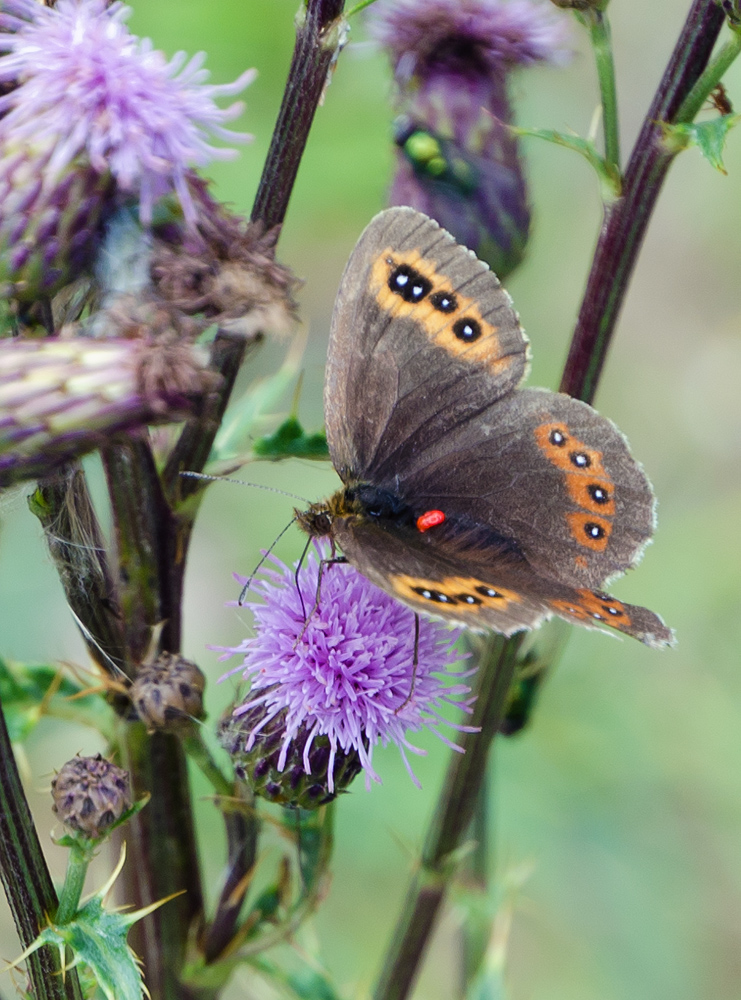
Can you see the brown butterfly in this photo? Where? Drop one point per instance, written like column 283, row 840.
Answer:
column 464, row 496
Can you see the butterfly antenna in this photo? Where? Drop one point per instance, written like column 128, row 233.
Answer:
column 256, row 570
column 243, row 482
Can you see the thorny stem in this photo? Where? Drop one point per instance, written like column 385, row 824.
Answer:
column 451, row 818
column 617, row 249
column 626, row 221
column 27, row 882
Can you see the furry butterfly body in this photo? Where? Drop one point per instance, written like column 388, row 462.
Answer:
column 464, row 496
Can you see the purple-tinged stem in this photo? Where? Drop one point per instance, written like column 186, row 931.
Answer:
column 626, row 221
column 451, row 819
column 27, row 882
column 318, row 36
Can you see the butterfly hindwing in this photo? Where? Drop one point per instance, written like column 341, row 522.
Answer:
column 547, row 471
column 504, row 593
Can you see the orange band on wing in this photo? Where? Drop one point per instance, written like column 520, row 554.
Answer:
column 407, row 284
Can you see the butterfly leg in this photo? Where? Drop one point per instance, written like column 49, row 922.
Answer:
column 307, row 618
column 415, row 664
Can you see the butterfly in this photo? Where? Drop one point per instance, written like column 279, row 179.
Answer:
column 463, row 495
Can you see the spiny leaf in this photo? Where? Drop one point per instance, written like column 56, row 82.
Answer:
column 709, row 137
column 30, row 691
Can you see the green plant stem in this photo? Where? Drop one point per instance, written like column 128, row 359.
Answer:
column 626, row 221
column 451, row 819
column 710, row 78
column 599, row 33
column 78, row 862
column 27, row 882
column 197, row 750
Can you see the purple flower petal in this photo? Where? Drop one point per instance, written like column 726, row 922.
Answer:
column 349, row 672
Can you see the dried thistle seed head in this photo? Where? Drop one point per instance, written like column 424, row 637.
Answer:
column 90, row 794
column 309, row 776
column 169, row 692
column 225, row 270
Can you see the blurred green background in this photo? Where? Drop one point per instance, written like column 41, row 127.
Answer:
column 625, row 795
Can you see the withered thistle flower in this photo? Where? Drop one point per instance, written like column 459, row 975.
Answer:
column 90, row 794
column 348, row 674
column 92, row 114
column 457, row 161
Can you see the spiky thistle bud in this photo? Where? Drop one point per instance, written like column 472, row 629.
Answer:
column 90, row 794
column 310, row 776
column 168, row 693
column 457, row 160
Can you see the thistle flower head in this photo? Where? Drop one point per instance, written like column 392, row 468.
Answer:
column 104, row 96
column 348, row 673
column 466, row 37
column 457, row 159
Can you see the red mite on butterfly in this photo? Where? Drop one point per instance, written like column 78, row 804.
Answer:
column 463, row 495
column 430, row 519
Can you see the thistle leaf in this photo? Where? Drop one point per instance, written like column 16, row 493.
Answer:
column 709, row 137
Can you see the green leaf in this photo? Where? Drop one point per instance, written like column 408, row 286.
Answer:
column 291, row 441
column 610, row 179
column 709, row 137
column 30, row 691
column 96, row 937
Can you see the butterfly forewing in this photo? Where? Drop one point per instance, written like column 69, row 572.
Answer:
column 423, row 339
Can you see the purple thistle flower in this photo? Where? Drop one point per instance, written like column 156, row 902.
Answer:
column 348, row 674
column 457, row 159
column 103, row 95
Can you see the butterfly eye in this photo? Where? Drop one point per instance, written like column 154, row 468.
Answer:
column 408, row 283
column 444, row 302
column 467, row 329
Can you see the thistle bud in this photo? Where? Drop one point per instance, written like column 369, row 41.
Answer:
column 90, row 794
column 59, row 398
column 303, row 778
column 169, row 692
column 457, row 159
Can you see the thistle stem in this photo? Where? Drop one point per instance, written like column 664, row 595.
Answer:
column 710, row 78
column 599, row 33
column 78, row 862
column 318, row 37
column 626, row 221
column 27, row 882
column 451, row 818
